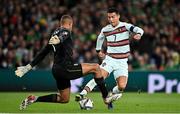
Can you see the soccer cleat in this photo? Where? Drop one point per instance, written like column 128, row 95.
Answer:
column 112, row 97
column 110, row 106
column 116, row 96
column 28, row 101
column 108, row 99
column 79, row 97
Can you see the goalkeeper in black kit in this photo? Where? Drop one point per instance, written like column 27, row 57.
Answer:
column 63, row 69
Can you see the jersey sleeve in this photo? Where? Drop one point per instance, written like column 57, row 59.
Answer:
column 40, row 56
column 100, row 41
column 134, row 29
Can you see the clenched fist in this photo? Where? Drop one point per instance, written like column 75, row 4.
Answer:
column 54, row 40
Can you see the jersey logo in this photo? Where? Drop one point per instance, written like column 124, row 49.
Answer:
column 76, row 64
column 103, row 64
column 55, row 32
column 65, row 33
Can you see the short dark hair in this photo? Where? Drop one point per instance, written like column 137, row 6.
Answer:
column 112, row 10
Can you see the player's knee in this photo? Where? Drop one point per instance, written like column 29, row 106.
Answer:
column 122, row 87
column 97, row 67
column 63, row 100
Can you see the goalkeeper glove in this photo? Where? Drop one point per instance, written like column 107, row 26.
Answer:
column 22, row 70
column 54, row 40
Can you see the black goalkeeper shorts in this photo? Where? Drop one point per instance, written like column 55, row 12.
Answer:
column 63, row 74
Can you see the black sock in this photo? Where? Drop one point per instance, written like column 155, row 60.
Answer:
column 47, row 98
column 101, row 84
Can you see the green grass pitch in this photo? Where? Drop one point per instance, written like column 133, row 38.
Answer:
column 129, row 103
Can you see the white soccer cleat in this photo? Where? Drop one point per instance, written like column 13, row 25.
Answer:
column 112, row 97
column 28, row 101
column 116, row 96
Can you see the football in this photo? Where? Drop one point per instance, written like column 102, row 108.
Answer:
column 86, row 104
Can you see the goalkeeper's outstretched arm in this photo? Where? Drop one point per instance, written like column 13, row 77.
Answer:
column 40, row 56
column 57, row 37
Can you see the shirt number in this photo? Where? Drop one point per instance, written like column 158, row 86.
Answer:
column 114, row 37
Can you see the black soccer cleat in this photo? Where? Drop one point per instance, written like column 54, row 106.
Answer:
column 79, row 97
column 110, row 106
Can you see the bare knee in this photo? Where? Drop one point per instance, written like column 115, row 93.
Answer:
column 63, row 100
column 121, row 87
column 122, row 82
column 96, row 67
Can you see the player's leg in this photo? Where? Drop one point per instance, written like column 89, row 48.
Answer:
column 121, row 84
column 119, row 88
column 90, row 85
column 75, row 71
column 63, row 86
column 63, row 96
column 106, row 69
column 121, row 77
column 95, row 69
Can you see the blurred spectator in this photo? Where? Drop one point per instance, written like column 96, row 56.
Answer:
column 25, row 27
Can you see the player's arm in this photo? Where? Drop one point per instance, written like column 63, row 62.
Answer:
column 38, row 58
column 56, row 38
column 41, row 55
column 99, row 44
column 59, row 37
column 135, row 29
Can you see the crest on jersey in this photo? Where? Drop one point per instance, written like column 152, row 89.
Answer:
column 76, row 64
column 55, row 32
column 103, row 64
column 65, row 33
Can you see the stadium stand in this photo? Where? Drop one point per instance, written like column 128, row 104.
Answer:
column 25, row 27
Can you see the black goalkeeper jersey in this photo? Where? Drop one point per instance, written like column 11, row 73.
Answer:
column 62, row 52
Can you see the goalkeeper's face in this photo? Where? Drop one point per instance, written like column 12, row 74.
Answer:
column 113, row 18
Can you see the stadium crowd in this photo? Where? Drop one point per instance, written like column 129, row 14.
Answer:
column 25, row 26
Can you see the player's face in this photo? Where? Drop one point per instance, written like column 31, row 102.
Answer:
column 113, row 18
column 71, row 25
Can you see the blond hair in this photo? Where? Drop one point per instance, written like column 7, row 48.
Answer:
column 65, row 19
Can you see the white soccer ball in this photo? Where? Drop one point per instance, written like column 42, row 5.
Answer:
column 86, row 104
